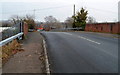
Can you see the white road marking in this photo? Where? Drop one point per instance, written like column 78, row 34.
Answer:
column 46, row 59
column 84, row 38
column 88, row 40
column 67, row 33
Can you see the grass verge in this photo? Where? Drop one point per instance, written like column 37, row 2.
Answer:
column 9, row 50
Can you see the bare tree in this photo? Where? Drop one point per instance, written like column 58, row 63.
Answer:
column 52, row 22
column 69, row 22
column 50, row 19
column 28, row 19
column 91, row 20
column 15, row 19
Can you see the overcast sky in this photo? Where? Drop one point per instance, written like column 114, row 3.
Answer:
column 101, row 10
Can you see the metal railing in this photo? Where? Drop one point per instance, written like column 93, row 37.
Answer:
column 11, row 33
column 11, row 38
column 13, row 30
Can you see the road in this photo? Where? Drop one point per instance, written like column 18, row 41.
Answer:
column 81, row 52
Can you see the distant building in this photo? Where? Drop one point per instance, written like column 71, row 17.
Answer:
column 119, row 11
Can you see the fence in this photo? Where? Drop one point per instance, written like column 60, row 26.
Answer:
column 10, row 31
column 14, row 32
column 11, row 38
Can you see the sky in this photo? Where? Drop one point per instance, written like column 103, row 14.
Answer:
column 101, row 10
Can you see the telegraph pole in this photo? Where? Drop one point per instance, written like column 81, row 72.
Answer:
column 74, row 15
column 74, row 10
column 34, row 13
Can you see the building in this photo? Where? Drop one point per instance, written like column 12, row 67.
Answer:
column 103, row 27
column 119, row 11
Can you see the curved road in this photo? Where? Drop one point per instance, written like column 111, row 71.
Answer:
column 81, row 52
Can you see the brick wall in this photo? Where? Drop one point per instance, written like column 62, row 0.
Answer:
column 25, row 28
column 103, row 27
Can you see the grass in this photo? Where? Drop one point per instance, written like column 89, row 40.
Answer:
column 9, row 50
column 118, row 33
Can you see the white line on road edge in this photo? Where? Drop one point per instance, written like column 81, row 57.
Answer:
column 46, row 59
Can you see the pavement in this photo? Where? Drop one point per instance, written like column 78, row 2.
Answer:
column 82, row 52
column 27, row 61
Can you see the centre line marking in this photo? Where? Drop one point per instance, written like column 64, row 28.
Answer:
column 68, row 33
column 89, row 40
column 84, row 38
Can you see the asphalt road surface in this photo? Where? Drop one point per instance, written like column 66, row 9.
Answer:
column 81, row 52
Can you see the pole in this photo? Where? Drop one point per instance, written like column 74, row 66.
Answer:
column 34, row 13
column 74, row 9
column 74, row 16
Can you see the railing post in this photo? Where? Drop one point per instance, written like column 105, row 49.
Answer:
column 21, row 30
column 21, row 26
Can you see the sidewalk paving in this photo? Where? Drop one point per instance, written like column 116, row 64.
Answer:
column 27, row 61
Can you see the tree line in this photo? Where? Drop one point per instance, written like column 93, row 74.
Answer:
column 29, row 19
column 78, row 20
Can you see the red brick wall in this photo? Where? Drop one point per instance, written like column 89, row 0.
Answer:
column 25, row 28
column 103, row 27
column 116, row 28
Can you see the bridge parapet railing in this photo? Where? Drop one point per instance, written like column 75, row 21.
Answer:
column 10, row 33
